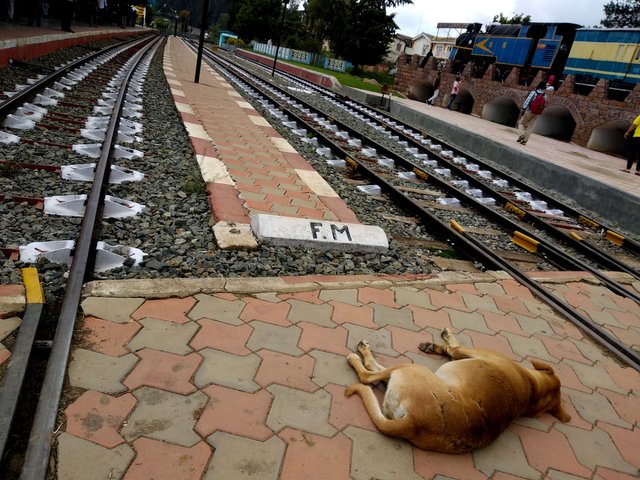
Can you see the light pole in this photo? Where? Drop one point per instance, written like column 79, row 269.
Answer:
column 275, row 59
column 203, row 28
column 175, row 26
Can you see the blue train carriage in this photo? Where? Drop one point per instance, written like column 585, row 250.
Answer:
column 609, row 53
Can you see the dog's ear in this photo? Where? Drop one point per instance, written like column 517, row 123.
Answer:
column 538, row 365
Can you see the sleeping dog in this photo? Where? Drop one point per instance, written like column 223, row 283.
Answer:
column 464, row 405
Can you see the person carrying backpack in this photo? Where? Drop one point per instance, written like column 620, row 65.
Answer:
column 531, row 110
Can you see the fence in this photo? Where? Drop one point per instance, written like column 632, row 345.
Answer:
column 303, row 57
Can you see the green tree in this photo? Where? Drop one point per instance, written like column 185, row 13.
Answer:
column 621, row 13
column 516, row 19
column 256, row 19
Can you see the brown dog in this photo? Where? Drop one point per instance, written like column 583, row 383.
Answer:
column 464, row 405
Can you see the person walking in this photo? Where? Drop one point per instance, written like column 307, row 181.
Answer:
column 531, row 109
column 454, row 91
column 436, row 90
column 634, row 145
column 66, row 15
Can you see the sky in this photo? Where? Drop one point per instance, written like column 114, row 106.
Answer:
column 424, row 15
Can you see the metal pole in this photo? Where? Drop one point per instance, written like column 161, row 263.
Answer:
column 275, row 59
column 203, row 27
column 175, row 26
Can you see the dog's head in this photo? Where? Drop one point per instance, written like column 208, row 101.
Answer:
column 546, row 393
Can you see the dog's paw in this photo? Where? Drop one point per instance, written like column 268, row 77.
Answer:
column 353, row 358
column 446, row 334
column 350, row 390
column 427, row 347
column 363, row 346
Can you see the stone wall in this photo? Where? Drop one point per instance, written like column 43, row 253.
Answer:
column 588, row 111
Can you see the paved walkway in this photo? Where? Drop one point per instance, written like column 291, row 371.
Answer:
column 244, row 379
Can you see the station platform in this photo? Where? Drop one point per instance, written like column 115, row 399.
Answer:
column 232, row 378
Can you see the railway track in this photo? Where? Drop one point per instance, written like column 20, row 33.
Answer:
column 405, row 181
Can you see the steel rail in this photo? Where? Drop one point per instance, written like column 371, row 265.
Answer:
column 473, row 249
column 37, row 455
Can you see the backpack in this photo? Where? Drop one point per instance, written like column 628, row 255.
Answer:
column 538, row 104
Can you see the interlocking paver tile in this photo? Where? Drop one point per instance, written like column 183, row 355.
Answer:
column 515, row 290
column 601, row 317
column 347, row 295
column 349, row 411
column 595, row 448
column 169, row 309
column 452, row 301
column 424, row 318
column 5, row 354
column 240, row 458
column 96, row 371
column 165, row 371
column 369, row 447
column 357, row 315
column 165, row 416
column 308, row 297
column 529, row 347
column 377, row 296
column 562, row 349
column 164, row 461
column 606, row 474
column 503, row 322
column 328, row 339
column 227, row 369
column 460, row 466
column 536, row 308
column 627, row 378
column 509, row 305
column 495, row 343
column 410, row 296
column 331, row 368
column 117, row 310
column 221, row 307
column 594, row 376
column 222, row 336
column 407, row 340
column 80, row 459
column 533, row 325
column 506, row 455
column 591, row 351
column 627, row 406
column 494, row 290
column 627, row 441
column 294, row 372
column 108, row 337
column 165, row 336
column 464, row 287
column 379, row 340
column 273, row 337
column 537, row 444
column 569, row 378
column 236, row 412
column 312, row 456
column 97, row 417
column 8, row 326
column 483, row 303
column 401, row 317
column 264, row 311
column 311, row 313
column 302, row 410
column 468, row 321
column 627, row 319
column 556, row 475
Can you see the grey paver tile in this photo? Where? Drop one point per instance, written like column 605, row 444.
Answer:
column 369, row 447
column 80, row 459
column 240, row 458
column 300, row 410
column 332, row 368
column 165, row 336
column 594, row 407
column 165, row 416
column 528, row 347
column 595, row 448
column 8, row 325
column 532, row 325
column 487, row 288
column 97, row 371
column 216, row 308
column 506, row 455
column 273, row 337
column 308, row 312
column 348, row 295
column 602, row 317
column 400, row 317
column 227, row 369
column 594, row 376
column 380, row 340
column 117, row 310
column 411, row 296
column 591, row 351
column 556, row 475
column 479, row 302
column 469, row 321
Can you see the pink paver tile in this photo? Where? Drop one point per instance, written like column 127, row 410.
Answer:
column 349, row 411
column 549, row 450
column 4, row 355
column 222, row 336
column 502, row 323
column 294, row 372
column 628, row 407
column 346, row 313
column 627, row 441
column 376, row 295
column 170, row 309
column 430, row 464
column 406, row 340
column 97, row 417
column 568, row 377
column 446, row 299
column 424, row 317
column 268, row 312
column 316, row 337
column 163, row 461
column 562, row 349
column 628, row 319
column 312, row 456
column 11, row 290
column 495, row 343
column 515, row 290
column 462, row 287
column 166, row 371
column 236, row 412
column 510, row 305
column 497, row 475
column 627, row 378
column 606, row 474
column 309, row 297
column 226, row 296
column 565, row 329
column 576, row 420
column 109, row 337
